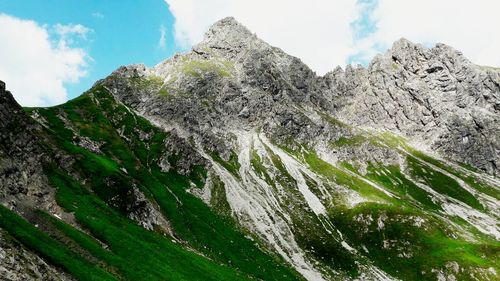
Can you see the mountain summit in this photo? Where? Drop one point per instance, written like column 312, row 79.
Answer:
column 226, row 31
column 235, row 161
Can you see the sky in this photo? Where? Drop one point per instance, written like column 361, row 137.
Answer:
column 54, row 50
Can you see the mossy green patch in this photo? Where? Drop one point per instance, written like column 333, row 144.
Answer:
column 232, row 165
column 283, row 177
column 345, row 178
column 259, row 168
column 390, row 139
column 468, row 178
column 198, row 68
column 137, row 253
column 333, row 121
column 218, row 199
column 441, row 183
column 391, row 177
column 398, row 242
column 147, row 82
column 355, row 140
column 54, row 251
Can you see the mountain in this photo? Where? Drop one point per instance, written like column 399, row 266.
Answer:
column 435, row 97
column 235, row 161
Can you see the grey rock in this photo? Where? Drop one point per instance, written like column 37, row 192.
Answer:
column 22, row 180
column 232, row 80
column 435, row 97
column 146, row 214
column 233, row 85
column 19, row 264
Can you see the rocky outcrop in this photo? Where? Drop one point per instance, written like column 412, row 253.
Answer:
column 19, row 264
column 146, row 214
column 435, row 97
column 22, row 180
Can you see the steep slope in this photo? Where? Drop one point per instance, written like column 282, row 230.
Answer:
column 235, row 161
column 22, row 184
column 18, row 263
column 103, row 169
column 21, row 174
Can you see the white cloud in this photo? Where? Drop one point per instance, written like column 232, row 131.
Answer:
column 317, row 31
column 162, row 42
column 324, row 33
column 97, row 15
column 34, row 66
column 469, row 26
column 71, row 29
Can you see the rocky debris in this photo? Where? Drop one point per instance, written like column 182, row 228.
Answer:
column 179, row 155
column 19, row 264
column 89, row 144
column 241, row 108
column 147, row 215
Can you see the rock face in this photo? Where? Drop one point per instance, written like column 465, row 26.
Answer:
column 232, row 79
column 435, row 97
column 19, row 264
column 22, row 180
column 23, row 186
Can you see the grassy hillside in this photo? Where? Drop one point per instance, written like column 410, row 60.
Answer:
column 97, row 187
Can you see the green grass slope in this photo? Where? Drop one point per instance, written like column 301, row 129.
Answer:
column 96, row 187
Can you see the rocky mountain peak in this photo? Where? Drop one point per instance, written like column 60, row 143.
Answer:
column 8, row 106
column 418, row 59
column 227, row 25
column 228, row 37
column 403, row 45
column 405, row 52
column 434, row 96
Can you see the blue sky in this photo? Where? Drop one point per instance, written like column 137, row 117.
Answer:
column 53, row 50
column 121, row 32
